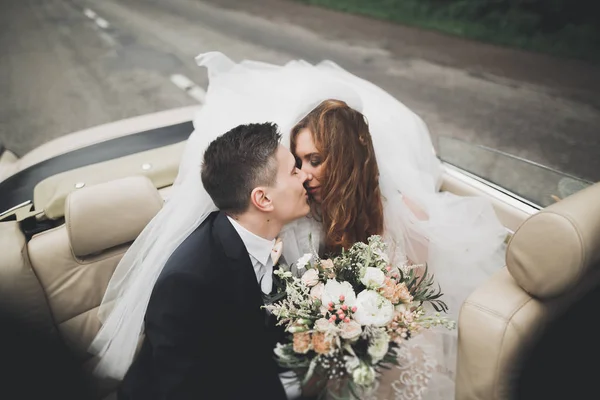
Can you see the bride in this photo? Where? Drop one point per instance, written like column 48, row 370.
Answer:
column 459, row 238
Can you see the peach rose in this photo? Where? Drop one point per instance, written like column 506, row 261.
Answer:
column 395, row 292
column 403, row 293
column 321, row 343
column 302, row 342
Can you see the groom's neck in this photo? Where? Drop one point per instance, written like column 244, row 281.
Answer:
column 258, row 223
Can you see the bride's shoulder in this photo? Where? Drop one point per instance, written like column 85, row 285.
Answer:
column 301, row 237
column 307, row 223
column 304, row 231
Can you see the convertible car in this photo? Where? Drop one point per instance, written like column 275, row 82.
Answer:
column 70, row 208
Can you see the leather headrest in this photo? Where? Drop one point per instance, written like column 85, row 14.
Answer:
column 554, row 249
column 110, row 214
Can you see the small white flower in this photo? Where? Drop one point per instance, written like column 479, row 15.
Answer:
column 373, row 278
column 382, row 255
column 304, row 260
column 363, row 375
column 334, row 289
column 373, row 309
column 379, row 346
column 310, row 278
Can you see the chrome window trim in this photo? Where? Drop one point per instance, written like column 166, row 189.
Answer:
column 492, row 189
column 11, row 210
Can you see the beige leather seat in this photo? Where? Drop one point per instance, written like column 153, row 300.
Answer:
column 74, row 261
column 552, row 260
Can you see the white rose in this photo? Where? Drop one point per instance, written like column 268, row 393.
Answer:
column 304, row 260
column 363, row 375
column 378, row 348
column 334, row 289
column 317, row 291
column 373, row 278
column 373, row 309
column 351, row 362
column 310, row 278
column 350, row 330
column 280, row 351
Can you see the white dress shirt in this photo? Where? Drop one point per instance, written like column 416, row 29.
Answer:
column 259, row 250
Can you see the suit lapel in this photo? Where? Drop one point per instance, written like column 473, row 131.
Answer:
column 246, row 286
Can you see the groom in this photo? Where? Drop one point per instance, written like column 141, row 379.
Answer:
column 206, row 336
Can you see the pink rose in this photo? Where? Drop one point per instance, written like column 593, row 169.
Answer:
column 311, row 277
column 324, row 325
column 328, row 268
column 317, row 291
column 350, row 330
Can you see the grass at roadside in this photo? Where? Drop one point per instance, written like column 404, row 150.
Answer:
column 514, row 29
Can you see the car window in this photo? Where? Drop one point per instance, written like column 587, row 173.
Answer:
column 535, row 183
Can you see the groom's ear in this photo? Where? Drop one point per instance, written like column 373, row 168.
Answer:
column 261, row 200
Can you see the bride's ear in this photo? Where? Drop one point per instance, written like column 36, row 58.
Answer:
column 261, row 200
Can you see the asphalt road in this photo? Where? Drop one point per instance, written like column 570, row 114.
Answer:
column 67, row 65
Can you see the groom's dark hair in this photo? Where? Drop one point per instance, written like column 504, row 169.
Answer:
column 237, row 162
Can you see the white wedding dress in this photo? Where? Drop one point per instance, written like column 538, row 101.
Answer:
column 461, row 239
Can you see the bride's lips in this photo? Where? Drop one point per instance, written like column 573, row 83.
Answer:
column 312, row 190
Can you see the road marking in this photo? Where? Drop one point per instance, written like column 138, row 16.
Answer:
column 102, row 23
column 185, row 84
column 89, row 13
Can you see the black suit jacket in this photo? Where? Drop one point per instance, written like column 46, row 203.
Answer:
column 205, row 331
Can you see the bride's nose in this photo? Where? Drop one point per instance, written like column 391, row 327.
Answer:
column 304, row 169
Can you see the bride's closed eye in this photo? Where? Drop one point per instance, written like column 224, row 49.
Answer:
column 313, row 159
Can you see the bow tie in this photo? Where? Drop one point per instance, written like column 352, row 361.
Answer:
column 266, row 283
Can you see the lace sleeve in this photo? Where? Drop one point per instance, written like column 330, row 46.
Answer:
column 418, row 376
column 297, row 237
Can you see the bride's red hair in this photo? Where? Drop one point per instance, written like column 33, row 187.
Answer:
column 351, row 206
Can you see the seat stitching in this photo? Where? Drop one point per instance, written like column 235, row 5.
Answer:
column 106, row 257
column 503, row 339
column 79, row 314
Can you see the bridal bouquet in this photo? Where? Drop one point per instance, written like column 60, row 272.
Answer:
column 348, row 315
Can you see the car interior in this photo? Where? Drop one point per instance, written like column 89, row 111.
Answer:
column 58, row 259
